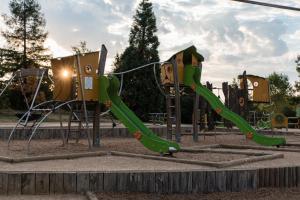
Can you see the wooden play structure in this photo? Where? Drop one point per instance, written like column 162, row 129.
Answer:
column 67, row 76
column 75, row 80
column 172, row 76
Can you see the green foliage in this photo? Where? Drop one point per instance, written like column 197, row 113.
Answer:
column 25, row 35
column 25, row 38
column 187, row 102
column 298, row 64
column 281, row 91
column 140, row 91
column 297, row 83
column 280, row 86
column 9, row 59
column 81, row 48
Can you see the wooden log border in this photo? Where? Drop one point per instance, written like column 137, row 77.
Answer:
column 55, row 132
column 164, row 182
column 256, row 156
column 221, row 164
column 53, row 157
column 285, row 149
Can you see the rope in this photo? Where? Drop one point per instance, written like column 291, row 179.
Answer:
column 137, row 68
column 121, row 86
column 156, row 81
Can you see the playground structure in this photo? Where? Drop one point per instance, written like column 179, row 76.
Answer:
column 77, row 86
column 186, row 70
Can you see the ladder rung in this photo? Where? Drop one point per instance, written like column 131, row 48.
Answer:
column 75, row 120
column 75, row 130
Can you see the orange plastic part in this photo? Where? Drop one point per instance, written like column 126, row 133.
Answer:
column 249, row 136
column 108, row 104
column 137, row 135
column 218, row 110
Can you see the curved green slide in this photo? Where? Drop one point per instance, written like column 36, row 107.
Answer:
column 108, row 95
column 192, row 79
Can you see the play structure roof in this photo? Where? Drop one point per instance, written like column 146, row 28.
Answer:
column 187, row 54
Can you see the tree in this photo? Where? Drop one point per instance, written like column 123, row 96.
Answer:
column 140, row 90
column 298, row 64
column 297, row 83
column 280, row 90
column 81, row 48
column 8, row 58
column 26, row 34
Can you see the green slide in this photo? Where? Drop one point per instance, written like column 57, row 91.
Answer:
column 109, row 87
column 192, row 79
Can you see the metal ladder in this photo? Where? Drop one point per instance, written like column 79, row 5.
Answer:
column 76, row 116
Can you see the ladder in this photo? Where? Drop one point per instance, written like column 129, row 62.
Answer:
column 171, row 118
column 173, row 112
column 76, row 116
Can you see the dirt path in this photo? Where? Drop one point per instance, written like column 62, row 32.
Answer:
column 262, row 194
column 44, row 197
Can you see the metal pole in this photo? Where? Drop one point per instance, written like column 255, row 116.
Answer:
column 9, row 82
column 21, row 118
column 35, row 94
column 177, row 101
column 42, row 120
column 82, row 98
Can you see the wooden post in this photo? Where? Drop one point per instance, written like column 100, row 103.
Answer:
column 225, row 89
column 96, row 121
column 169, row 112
column 210, row 118
column 202, row 106
column 177, row 101
column 196, row 117
column 244, row 95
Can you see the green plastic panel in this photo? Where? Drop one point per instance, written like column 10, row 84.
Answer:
column 192, row 80
column 109, row 87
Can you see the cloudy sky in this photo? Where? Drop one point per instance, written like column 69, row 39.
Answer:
column 232, row 36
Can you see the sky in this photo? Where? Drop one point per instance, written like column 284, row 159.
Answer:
column 232, row 36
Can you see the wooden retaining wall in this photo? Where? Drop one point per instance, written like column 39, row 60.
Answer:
column 150, row 182
column 55, row 133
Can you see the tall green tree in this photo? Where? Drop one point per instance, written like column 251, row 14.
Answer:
column 26, row 34
column 298, row 64
column 140, row 91
column 297, row 83
column 280, row 90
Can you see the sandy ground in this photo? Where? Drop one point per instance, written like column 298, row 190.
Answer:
column 44, row 197
column 18, row 148
column 102, row 163
column 261, row 194
column 116, row 163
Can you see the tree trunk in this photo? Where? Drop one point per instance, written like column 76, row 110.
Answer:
column 24, row 39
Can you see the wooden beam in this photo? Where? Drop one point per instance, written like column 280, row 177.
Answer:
column 96, row 121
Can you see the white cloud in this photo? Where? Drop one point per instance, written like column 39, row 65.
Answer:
column 118, row 29
column 56, row 49
column 108, row 2
column 232, row 36
column 75, row 30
